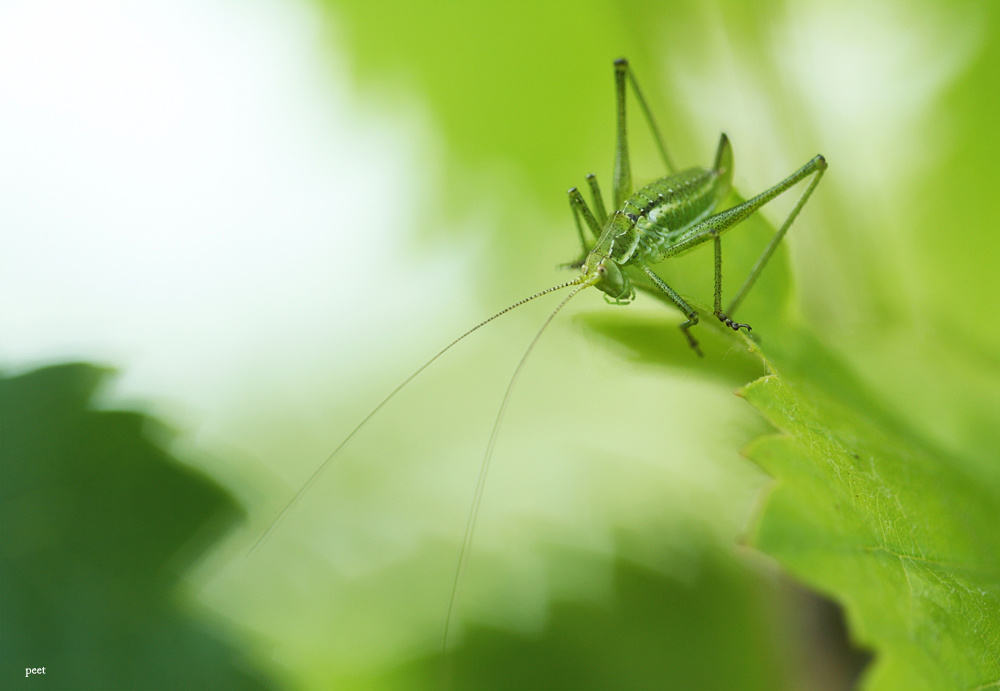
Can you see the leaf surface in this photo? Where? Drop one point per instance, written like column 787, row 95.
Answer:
column 902, row 533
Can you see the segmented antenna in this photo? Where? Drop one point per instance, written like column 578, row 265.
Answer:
column 340, row 447
column 470, row 526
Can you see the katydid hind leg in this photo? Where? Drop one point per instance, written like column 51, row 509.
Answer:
column 724, row 156
column 818, row 166
column 723, row 220
column 713, row 226
column 623, row 169
column 650, row 120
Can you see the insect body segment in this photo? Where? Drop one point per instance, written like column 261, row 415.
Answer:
column 674, row 205
column 654, row 219
column 671, row 206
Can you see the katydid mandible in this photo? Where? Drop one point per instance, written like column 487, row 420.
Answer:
column 664, row 219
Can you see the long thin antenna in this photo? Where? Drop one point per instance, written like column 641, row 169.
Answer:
column 470, row 526
column 329, row 459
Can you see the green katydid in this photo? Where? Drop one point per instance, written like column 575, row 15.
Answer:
column 666, row 218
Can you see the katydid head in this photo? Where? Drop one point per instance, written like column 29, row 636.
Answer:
column 608, row 277
column 605, row 273
column 603, row 264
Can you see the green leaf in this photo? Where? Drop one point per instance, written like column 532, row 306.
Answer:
column 902, row 533
column 100, row 523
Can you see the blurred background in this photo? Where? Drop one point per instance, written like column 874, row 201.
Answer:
column 247, row 222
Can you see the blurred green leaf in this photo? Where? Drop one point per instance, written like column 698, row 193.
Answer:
column 656, row 631
column 99, row 524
